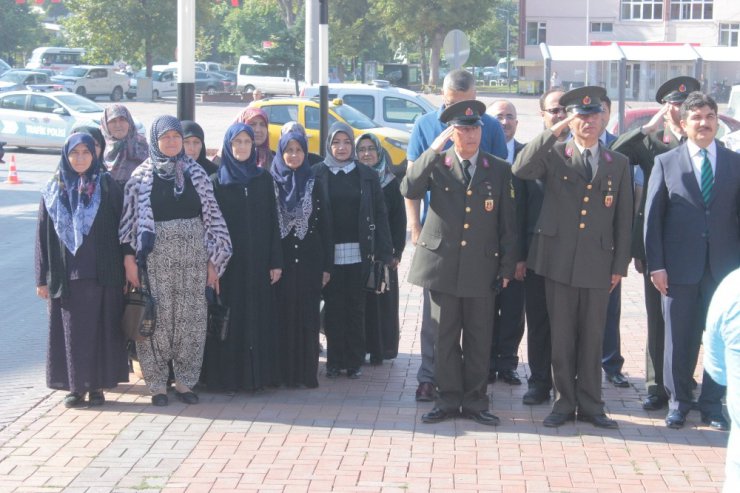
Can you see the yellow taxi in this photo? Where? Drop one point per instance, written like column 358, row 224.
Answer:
column 306, row 112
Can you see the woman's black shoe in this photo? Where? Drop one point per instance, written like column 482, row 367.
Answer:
column 160, row 400
column 97, row 398
column 332, row 372
column 187, row 397
column 74, row 399
column 354, row 373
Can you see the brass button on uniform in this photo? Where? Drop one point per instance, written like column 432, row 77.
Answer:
column 466, row 225
column 469, row 192
column 583, row 212
column 589, row 186
column 467, row 209
column 447, row 189
column 423, row 243
column 582, row 226
column 463, row 243
column 585, row 199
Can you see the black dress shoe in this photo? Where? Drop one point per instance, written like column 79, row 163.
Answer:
column 425, row 392
column 675, row 419
column 492, row 377
column 535, row 396
column 188, row 397
column 97, row 398
column 482, row 417
column 160, row 400
column 654, row 402
column 599, row 420
column 618, row 380
column 437, row 415
column 73, row 399
column 332, row 372
column 510, row 376
column 718, row 423
column 553, row 420
column 354, row 373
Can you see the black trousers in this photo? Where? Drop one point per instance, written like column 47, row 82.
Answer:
column 655, row 340
column 538, row 332
column 685, row 311
column 344, row 318
column 462, row 372
column 611, row 352
column 509, row 323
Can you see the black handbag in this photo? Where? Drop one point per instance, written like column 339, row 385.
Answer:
column 377, row 279
column 218, row 316
column 139, row 311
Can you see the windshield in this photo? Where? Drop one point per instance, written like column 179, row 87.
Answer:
column 79, row 104
column 14, row 77
column 354, row 118
column 75, row 72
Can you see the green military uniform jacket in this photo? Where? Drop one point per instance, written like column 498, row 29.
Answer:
column 641, row 149
column 582, row 236
column 469, row 238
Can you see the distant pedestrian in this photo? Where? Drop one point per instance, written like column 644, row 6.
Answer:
column 125, row 149
column 79, row 269
column 555, row 81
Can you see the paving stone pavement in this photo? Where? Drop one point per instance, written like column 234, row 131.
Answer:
column 359, row 436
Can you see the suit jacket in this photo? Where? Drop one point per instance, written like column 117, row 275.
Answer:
column 372, row 219
column 641, row 150
column 469, row 238
column 583, row 232
column 681, row 232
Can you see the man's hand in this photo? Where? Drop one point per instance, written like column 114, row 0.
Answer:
column 660, row 281
column 42, row 292
column 415, row 232
column 558, row 128
column 639, row 266
column 521, row 271
column 325, row 278
column 439, row 143
column 615, row 280
column 504, row 282
column 656, row 121
column 275, row 275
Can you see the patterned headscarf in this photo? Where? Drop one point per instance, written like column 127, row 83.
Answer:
column 166, row 167
column 381, row 167
column 264, row 154
column 122, row 156
column 293, row 188
column 330, row 160
column 72, row 199
column 232, row 171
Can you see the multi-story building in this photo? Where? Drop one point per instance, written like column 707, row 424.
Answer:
column 654, row 34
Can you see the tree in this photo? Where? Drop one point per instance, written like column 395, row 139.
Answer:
column 19, row 29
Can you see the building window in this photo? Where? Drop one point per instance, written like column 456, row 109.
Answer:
column 602, row 27
column 691, row 9
column 729, row 34
column 645, row 10
column 536, row 33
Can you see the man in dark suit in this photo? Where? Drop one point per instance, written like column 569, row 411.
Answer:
column 509, row 311
column 611, row 358
column 465, row 253
column 692, row 241
column 641, row 145
column 581, row 247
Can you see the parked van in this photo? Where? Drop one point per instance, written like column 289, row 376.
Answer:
column 271, row 79
column 55, row 58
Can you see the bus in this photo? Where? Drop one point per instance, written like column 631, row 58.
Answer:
column 55, row 58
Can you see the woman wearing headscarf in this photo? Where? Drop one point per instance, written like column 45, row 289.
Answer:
column 245, row 192
column 96, row 134
column 257, row 119
column 79, row 269
column 173, row 230
column 194, row 141
column 298, row 128
column 125, row 148
column 381, row 311
column 360, row 232
column 308, row 252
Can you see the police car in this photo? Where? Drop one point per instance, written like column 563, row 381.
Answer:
column 33, row 119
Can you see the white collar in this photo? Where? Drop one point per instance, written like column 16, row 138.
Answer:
column 694, row 149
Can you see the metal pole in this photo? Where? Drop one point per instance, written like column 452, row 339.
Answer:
column 186, row 59
column 324, row 73
column 508, row 56
column 311, row 53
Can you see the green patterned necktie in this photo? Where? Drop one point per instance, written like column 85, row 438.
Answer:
column 707, row 177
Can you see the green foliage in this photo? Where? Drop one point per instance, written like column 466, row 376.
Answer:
column 20, row 31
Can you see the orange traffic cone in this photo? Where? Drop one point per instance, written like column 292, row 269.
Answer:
column 12, row 173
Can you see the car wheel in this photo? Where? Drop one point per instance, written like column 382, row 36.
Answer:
column 81, row 91
column 130, row 96
column 155, row 95
column 117, row 94
column 248, row 89
column 211, row 90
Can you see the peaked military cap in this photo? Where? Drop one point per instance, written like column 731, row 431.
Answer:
column 676, row 90
column 465, row 113
column 583, row 100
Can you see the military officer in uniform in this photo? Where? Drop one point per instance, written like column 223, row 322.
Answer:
column 641, row 145
column 467, row 250
column 580, row 247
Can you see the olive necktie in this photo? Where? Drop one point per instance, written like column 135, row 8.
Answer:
column 587, row 165
column 707, row 177
column 466, row 171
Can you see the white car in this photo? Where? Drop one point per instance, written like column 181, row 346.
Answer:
column 94, row 80
column 387, row 106
column 32, row 119
column 164, row 82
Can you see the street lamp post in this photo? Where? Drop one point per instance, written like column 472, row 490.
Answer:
column 507, row 11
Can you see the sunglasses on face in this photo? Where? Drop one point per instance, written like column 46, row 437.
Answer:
column 556, row 111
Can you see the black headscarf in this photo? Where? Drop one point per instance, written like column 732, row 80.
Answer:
column 192, row 129
column 232, row 171
column 95, row 133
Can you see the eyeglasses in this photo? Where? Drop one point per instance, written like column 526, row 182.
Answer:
column 369, row 149
column 556, row 111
